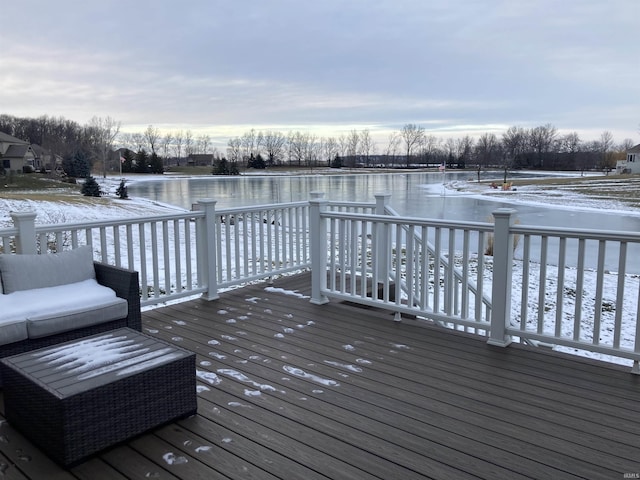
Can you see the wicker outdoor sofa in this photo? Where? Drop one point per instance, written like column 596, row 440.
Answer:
column 52, row 298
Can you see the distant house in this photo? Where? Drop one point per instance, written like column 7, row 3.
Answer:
column 46, row 159
column 200, row 159
column 632, row 163
column 16, row 155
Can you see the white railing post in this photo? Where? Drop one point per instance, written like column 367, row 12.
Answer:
column 382, row 200
column 502, row 273
column 382, row 241
column 318, row 247
column 206, row 242
column 26, row 224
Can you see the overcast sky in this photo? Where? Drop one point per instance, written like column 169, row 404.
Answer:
column 329, row 66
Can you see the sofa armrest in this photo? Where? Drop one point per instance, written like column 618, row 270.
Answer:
column 126, row 285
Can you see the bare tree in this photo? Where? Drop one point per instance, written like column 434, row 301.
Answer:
column 569, row 143
column 104, row 132
column 203, row 143
column 234, row 146
column 249, row 144
column 343, row 145
column 274, row 144
column 166, row 144
column 138, row 141
column 606, row 146
column 514, row 142
column 297, row 147
column 152, row 137
column 188, row 143
column 450, row 149
column 126, row 140
column 352, row 145
column 625, row 145
column 464, row 148
column 486, row 147
column 412, row 135
column 430, row 145
column 541, row 139
column 330, row 149
column 393, row 145
column 179, row 141
column 367, row 147
column 311, row 149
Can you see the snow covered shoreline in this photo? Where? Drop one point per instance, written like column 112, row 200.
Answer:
column 72, row 207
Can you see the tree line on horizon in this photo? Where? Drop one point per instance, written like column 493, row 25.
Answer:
column 100, row 142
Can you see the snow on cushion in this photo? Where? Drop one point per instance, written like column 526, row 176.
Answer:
column 25, row 272
column 52, row 310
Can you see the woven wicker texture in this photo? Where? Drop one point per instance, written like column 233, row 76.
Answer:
column 72, row 412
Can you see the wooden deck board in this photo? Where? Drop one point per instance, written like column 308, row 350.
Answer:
column 292, row 390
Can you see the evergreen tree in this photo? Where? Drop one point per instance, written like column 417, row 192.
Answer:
column 221, row 167
column 156, row 163
column 259, row 163
column 127, row 165
column 77, row 165
column 142, row 162
column 337, row 162
column 121, row 191
column 90, row 188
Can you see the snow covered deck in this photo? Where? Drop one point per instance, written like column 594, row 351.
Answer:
column 292, row 390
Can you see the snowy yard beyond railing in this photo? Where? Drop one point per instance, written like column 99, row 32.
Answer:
column 540, row 285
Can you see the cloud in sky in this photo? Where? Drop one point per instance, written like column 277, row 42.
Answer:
column 222, row 67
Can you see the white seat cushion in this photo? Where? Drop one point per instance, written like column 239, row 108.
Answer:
column 13, row 322
column 65, row 307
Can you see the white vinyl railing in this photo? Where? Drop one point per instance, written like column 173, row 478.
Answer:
column 182, row 254
column 570, row 297
column 389, row 262
column 574, row 289
column 564, row 295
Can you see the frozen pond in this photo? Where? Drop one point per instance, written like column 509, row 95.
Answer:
column 413, row 194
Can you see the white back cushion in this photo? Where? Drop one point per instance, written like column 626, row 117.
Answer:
column 25, row 272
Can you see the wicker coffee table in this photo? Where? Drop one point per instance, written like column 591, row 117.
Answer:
column 77, row 398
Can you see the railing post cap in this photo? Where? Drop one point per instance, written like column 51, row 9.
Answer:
column 382, row 195
column 504, row 212
column 316, row 195
column 23, row 215
column 207, row 201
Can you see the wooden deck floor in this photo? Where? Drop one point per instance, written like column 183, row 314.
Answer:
column 290, row 390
